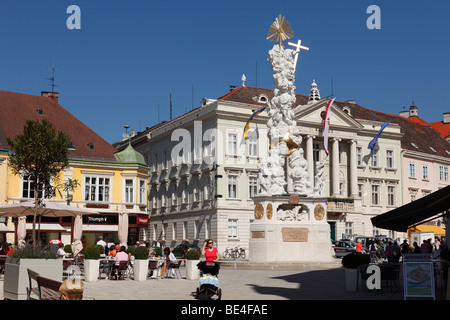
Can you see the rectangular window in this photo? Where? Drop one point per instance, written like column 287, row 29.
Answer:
column 389, row 159
column 185, row 193
column 27, row 187
column 174, row 198
column 232, row 228
column 232, row 187
column 424, row 172
column 97, row 189
column 207, row 189
column 443, row 173
column 374, row 159
column 316, row 152
column 349, row 228
column 142, row 195
column 360, row 190
column 391, row 196
column 129, row 190
column 164, row 161
column 174, row 231
column 412, row 194
column 155, row 164
column 163, row 197
column 253, row 145
column 196, row 191
column 359, row 156
column 375, row 194
column 412, row 170
column 253, row 186
column 232, row 144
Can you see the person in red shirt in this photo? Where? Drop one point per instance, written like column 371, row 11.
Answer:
column 208, row 250
column 358, row 247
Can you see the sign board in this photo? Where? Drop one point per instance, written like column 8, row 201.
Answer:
column 418, row 274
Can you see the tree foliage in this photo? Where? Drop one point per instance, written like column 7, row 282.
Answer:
column 41, row 153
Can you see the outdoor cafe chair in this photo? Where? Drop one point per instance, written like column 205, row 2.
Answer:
column 122, row 270
column 175, row 266
column 153, row 266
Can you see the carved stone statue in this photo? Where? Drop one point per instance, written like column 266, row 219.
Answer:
column 319, row 181
column 295, row 214
column 283, row 132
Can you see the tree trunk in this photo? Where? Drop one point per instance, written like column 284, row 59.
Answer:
column 36, row 204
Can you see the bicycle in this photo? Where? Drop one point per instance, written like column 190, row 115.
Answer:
column 228, row 253
column 238, row 252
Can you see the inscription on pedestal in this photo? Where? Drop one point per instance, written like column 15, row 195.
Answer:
column 295, row 234
column 258, row 235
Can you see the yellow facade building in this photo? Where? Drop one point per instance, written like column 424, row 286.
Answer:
column 107, row 180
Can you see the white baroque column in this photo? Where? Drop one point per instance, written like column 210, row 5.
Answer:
column 335, row 167
column 310, row 157
column 353, row 170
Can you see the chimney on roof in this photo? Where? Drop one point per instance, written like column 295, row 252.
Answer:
column 446, row 117
column 51, row 95
column 412, row 112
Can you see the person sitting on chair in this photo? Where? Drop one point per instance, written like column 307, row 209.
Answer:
column 120, row 256
column 170, row 258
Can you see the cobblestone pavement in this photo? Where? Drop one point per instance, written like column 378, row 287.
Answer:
column 240, row 284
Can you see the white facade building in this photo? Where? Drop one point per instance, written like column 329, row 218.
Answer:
column 208, row 194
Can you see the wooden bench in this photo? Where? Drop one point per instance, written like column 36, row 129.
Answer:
column 32, row 277
column 48, row 288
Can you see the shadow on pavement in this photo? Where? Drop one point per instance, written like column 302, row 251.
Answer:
column 322, row 285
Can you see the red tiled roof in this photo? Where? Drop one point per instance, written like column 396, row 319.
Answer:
column 442, row 128
column 416, row 130
column 246, row 95
column 418, row 135
column 17, row 108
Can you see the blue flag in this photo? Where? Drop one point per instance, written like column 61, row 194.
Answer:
column 373, row 143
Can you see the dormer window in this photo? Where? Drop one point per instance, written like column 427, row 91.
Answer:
column 40, row 111
column 71, row 146
column 91, row 146
column 263, row 99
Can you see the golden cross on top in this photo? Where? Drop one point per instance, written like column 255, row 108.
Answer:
column 280, row 30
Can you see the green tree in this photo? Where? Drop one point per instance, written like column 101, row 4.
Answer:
column 41, row 153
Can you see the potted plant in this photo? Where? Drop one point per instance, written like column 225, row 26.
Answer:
column 192, row 259
column 351, row 262
column 37, row 259
column 91, row 263
column 158, row 251
column 140, row 263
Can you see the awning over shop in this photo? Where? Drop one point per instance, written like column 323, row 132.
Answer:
column 47, row 227
column 438, row 231
column 5, row 229
column 401, row 218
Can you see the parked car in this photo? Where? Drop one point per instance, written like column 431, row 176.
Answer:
column 342, row 248
column 178, row 251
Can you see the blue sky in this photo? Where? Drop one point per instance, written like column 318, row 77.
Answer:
column 121, row 66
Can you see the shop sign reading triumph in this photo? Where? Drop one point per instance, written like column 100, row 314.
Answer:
column 101, row 219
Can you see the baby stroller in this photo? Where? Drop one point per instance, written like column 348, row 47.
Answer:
column 209, row 284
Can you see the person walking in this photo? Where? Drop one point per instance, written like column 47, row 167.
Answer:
column 373, row 251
